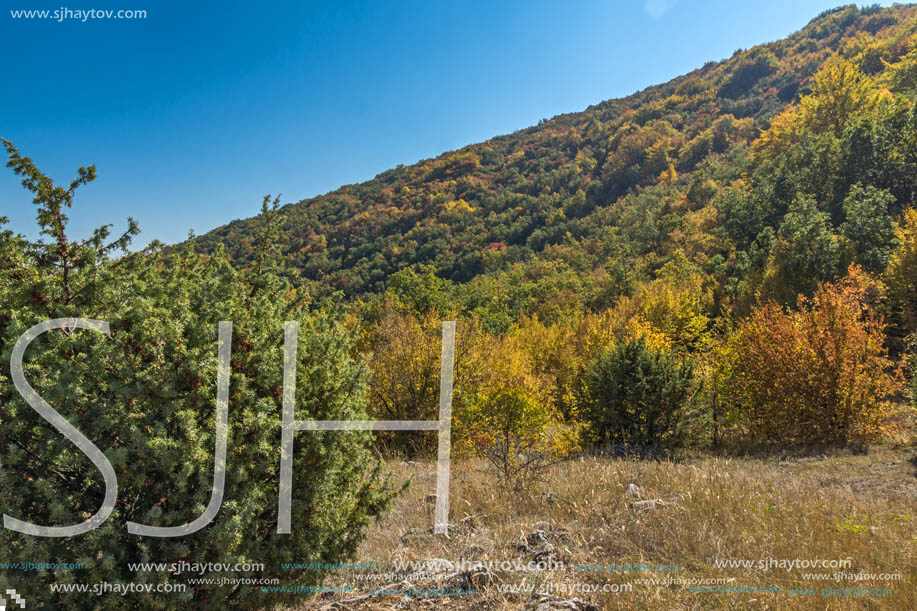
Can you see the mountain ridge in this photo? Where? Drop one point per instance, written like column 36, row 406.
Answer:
column 546, row 190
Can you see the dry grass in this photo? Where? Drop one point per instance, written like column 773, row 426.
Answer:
column 842, row 506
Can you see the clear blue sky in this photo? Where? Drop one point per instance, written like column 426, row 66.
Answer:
column 195, row 112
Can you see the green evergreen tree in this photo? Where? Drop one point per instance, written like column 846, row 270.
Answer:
column 869, row 226
column 805, row 252
column 633, row 394
column 145, row 396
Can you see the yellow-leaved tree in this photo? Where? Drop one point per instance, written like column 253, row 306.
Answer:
column 840, row 94
column 404, row 358
column 901, row 274
column 510, row 418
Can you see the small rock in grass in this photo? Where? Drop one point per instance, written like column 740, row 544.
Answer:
column 647, row 505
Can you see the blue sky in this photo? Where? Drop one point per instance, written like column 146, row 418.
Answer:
column 195, row 112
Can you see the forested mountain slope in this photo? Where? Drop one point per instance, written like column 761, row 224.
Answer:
column 762, row 173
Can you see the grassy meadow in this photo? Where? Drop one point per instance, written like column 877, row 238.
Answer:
column 826, row 506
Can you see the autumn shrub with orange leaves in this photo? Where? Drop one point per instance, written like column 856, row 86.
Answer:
column 819, row 374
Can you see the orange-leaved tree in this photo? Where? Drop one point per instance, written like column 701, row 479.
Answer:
column 819, row 374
